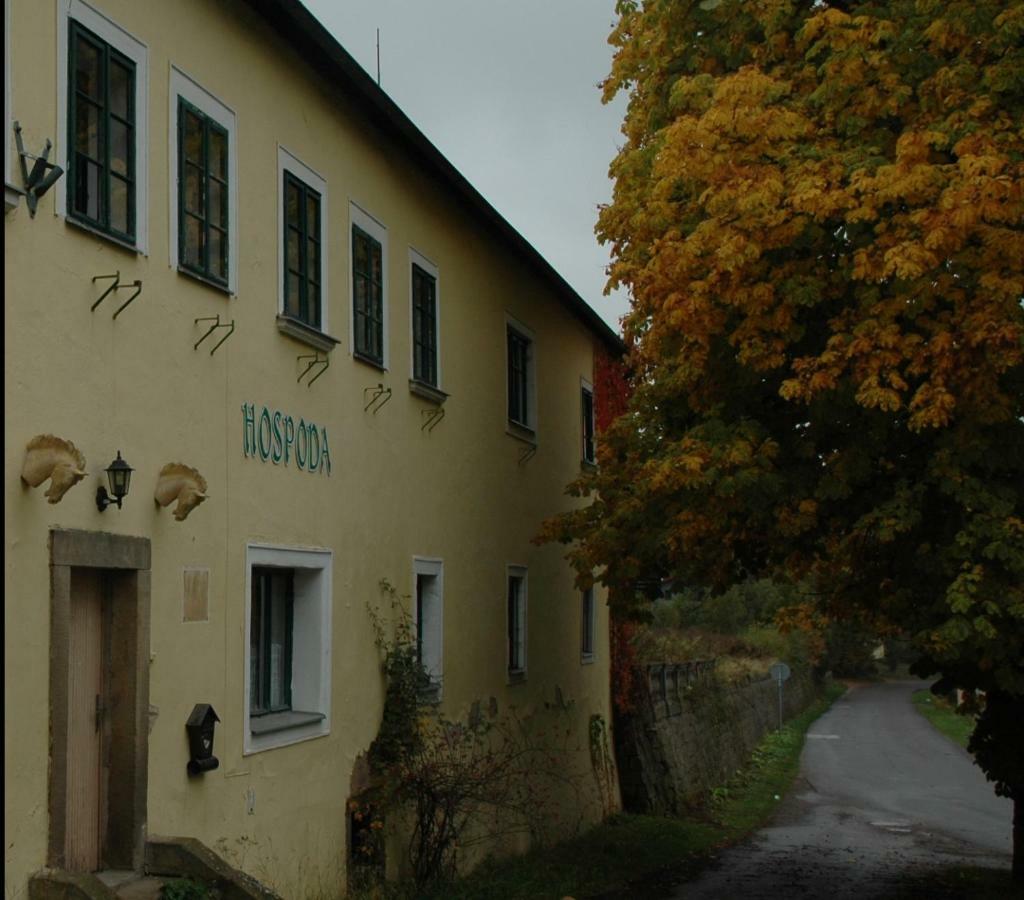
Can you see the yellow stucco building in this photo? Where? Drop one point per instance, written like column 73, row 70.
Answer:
column 259, row 285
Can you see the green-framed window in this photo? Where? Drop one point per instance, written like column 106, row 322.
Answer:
column 424, row 326
column 101, row 125
column 518, row 377
column 302, row 249
column 270, row 640
column 587, row 407
column 202, row 194
column 587, row 617
column 516, row 623
column 368, row 295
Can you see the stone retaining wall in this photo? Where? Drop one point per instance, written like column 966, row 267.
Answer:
column 688, row 737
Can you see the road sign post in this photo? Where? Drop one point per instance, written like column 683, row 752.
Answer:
column 780, row 672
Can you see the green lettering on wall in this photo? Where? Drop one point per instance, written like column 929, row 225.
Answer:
column 264, row 446
column 273, row 435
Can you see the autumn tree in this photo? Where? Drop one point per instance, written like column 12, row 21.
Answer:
column 819, row 215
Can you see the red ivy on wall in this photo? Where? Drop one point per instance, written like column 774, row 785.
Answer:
column 611, row 389
column 611, row 399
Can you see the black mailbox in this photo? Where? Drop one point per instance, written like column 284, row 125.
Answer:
column 200, row 739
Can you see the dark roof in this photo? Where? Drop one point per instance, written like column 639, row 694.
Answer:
column 296, row 25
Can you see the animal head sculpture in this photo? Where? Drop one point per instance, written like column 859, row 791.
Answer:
column 54, row 458
column 182, row 483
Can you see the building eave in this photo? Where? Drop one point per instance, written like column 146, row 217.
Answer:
column 297, row 26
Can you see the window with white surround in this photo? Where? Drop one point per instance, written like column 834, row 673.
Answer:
column 516, row 596
column 424, row 298
column 368, row 248
column 589, row 453
column 287, row 646
column 428, row 615
column 588, row 620
column 203, row 170
column 102, row 125
column 521, row 380
column 302, row 252
column 10, row 193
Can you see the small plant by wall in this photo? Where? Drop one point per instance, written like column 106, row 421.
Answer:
column 445, row 786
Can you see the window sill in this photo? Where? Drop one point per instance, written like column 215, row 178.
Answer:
column 586, row 659
column 588, row 465
column 202, row 279
column 521, row 432
column 517, row 677
column 105, row 235
column 306, row 333
column 430, row 695
column 283, row 721
column 427, row 391
column 369, row 360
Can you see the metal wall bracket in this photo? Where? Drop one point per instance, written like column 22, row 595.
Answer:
column 43, row 175
column 379, row 395
column 431, row 418
column 113, row 287
column 138, row 290
column 527, row 454
column 217, row 323
column 315, row 359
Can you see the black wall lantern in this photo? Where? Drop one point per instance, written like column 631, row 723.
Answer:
column 200, row 739
column 119, row 474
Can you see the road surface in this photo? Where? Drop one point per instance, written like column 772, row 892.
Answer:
column 881, row 795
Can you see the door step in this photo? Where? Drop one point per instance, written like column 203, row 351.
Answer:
column 147, row 888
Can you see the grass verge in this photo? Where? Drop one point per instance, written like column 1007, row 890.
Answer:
column 944, row 718
column 649, row 848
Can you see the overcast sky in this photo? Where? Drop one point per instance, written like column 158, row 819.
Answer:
column 507, row 91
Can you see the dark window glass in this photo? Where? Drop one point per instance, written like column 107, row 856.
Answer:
column 203, row 194
column 587, row 403
column 270, row 641
column 424, row 326
column 518, row 360
column 368, row 295
column 302, row 251
column 516, row 620
column 587, row 638
column 101, row 125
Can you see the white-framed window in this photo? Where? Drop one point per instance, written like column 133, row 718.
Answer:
column 521, row 374
column 368, row 263
column 588, row 623
column 10, row 194
column 287, row 646
column 428, row 619
column 588, row 434
column 516, row 601
column 203, row 178
column 425, row 319
column 103, row 83
column 302, row 243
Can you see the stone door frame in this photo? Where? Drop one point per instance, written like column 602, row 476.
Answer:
column 127, row 561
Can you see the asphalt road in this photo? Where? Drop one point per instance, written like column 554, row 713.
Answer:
column 881, row 796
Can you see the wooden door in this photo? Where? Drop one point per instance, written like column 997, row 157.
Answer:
column 86, row 704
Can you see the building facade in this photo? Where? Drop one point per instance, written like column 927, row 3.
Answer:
column 261, row 288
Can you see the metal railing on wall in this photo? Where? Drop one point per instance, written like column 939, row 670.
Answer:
column 666, row 682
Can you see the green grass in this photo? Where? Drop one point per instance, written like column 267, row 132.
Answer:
column 629, row 847
column 944, row 718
